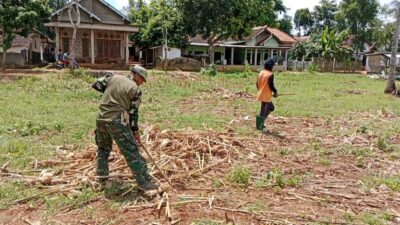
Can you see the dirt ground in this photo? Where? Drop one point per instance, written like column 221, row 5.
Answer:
column 304, row 172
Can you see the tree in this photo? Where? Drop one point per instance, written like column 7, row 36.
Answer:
column 285, row 24
column 155, row 21
column 359, row 16
column 57, row 4
column 75, row 20
column 303, row 21
column 218, row 19
column 391, row 83
column 19, row 18
column 325, row 46
column 384, row 27
column 324, row 15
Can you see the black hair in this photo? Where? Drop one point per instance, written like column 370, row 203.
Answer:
column 269, row 64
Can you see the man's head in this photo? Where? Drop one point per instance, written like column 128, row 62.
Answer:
column 139, row 74
column 269, row 64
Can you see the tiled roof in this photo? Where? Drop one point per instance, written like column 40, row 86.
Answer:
column 20, row 41
column 280, row 35
column 302, row 38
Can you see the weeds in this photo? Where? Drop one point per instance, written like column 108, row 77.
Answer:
column 240, row 175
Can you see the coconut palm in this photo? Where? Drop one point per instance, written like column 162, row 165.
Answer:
column 391, row 83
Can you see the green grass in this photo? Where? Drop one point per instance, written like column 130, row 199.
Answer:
column 39, row 114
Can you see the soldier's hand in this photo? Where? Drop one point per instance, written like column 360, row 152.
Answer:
column 276, row 95
column 136, row 135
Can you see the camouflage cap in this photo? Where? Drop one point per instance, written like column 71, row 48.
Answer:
column 140, row 70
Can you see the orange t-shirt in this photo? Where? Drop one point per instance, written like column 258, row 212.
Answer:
column 264, row 91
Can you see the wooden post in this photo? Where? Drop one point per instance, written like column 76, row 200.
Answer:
column 232, row 55
column 251, row 57
column 127, row 49
column 92, row 57
column 245, row 56
column 255, row 57
column 286, row 60
column 41, row 51
column 57, row 43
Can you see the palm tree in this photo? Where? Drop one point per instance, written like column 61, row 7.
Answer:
column 391, row 83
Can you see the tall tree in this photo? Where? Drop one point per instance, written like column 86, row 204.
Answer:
column 359, row 16
column 75, row 20
column 19, row 18
column 391, row 83
column 285, row 24
column 218, row 19
column 303, row 21
column 157, row 21
column 324, row 14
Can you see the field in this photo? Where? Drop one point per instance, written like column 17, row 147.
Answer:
column 333, row 156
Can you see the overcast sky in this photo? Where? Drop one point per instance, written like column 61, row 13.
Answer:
column 293, row 5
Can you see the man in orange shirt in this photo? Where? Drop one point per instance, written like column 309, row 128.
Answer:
column 265, row 86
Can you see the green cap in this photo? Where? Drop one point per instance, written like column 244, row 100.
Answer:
column 140, row 70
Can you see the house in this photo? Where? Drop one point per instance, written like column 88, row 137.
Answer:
column 377, row 62
column 33, row 49
column 103, row 33
column 263, row 42
column 149, row 56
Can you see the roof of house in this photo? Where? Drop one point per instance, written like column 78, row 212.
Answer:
column 90, row 12
column 278, row 34
column 302, row 38
column 20, row 41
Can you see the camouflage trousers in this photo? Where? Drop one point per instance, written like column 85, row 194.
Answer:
column 123, row 137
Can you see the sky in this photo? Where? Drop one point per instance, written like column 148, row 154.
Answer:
column 293, row 5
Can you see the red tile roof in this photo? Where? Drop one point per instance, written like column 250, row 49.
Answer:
column 282, row 36
column 20, row 41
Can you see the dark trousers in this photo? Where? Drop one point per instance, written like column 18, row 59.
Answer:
column 123, row 137
column 266, row 109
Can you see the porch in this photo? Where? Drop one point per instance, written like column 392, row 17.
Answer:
column 95, row 46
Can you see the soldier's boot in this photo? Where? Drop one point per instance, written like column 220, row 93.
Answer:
column 150, row 189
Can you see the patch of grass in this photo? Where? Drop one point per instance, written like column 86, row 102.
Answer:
column 325, row 161
column 9, row 192
column 374, row 219
column 77, row 200
column 240, row 175
column 206, row 222
column 393, row 183
column 256, row 207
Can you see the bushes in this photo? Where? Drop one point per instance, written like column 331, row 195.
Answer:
column 210, row 70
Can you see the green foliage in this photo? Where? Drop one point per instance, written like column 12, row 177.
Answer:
column 81, row 72
column 214, row 20
column 303, row 21
column 285, row 24
column 240, row 175
column 25, row 15
column 359, row 17
column 210, row 70
column 324, row 15
column 313, row 68
column 157, row 20
column 247, row 72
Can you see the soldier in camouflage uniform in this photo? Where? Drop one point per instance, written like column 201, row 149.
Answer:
column 118, row 120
